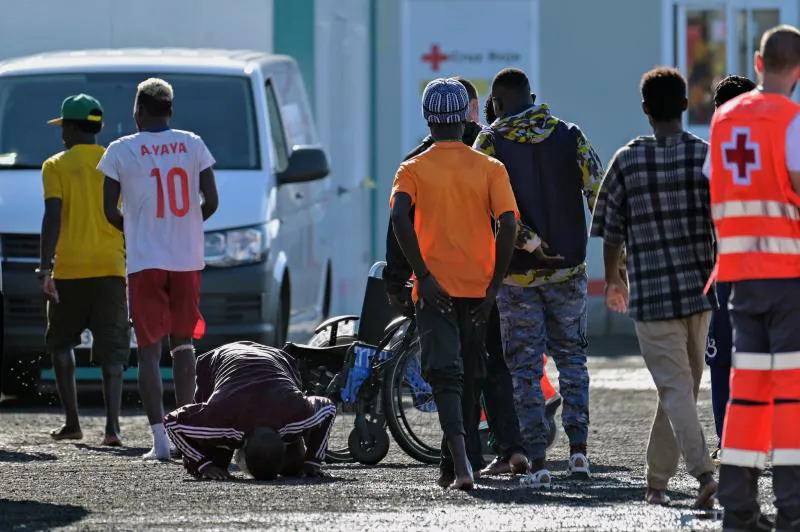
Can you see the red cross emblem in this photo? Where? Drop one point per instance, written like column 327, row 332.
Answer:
column 435, row 57
column 741, row 156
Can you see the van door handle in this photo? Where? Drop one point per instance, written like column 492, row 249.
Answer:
column 298, row 195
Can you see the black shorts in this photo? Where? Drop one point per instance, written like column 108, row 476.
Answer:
column 99, row 304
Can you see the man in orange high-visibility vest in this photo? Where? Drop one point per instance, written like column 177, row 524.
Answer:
column 755, row 179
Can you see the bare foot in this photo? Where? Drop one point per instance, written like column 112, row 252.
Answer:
column 706, row 492
column 445, row 480
column 497, row 467
column 67, row 433
column 519, row 464
column 463, row 482
column 112, row 440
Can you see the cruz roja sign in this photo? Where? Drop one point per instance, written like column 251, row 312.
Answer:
column 435, row 57
column 443, row 38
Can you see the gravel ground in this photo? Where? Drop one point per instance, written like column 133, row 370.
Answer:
column 81, row 486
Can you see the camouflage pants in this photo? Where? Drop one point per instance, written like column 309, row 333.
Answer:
column 547, row 319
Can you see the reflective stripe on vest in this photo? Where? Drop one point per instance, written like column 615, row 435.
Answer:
column 758, row 244
column 751, row 208
column 784, row 361
column 766, row 361
column 786, row 457
column 743, row 458
column 756, row 217
column 757, row 361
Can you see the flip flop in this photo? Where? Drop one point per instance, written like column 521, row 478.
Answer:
column 111, row 440
column 64, row 434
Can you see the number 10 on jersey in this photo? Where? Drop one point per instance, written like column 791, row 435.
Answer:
column 174, row 174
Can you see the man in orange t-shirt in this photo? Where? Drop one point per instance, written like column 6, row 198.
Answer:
column 458, row 264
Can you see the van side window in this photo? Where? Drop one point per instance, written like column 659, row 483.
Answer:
column 278, row 145
column 297, row 121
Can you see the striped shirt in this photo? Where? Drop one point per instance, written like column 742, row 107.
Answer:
column 240, row 387
column 655, row 200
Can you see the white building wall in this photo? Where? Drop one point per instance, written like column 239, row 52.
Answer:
column 593, row 55
column 36, row 26
column 342, row 58
column 587, row 62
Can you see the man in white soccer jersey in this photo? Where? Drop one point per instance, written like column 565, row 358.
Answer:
column 161, row 173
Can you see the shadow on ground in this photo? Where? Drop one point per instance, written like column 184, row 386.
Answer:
column 597, row 492
column 116, row 451
column 32, row 515
column 597, row 467
column 613, row 494
column 280, row 481
column 381, row 465
column 20, row 457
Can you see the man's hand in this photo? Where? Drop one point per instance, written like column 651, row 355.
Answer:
column 481, row 313
column 214, row 472
column 540, row 254
column 49, row 288
column 432, row 294
column 623, row 275
column 401, row 305
column 617, row 294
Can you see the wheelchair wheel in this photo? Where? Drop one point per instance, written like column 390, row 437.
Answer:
column 373, row 451
column 409, row 406
column 338, row 451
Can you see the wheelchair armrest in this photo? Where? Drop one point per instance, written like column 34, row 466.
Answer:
column 395, row 324
column 332, row 358
column 334, row 321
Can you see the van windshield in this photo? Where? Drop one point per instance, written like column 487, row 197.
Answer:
column 218, row 108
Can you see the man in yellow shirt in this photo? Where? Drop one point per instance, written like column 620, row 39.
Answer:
column 83, row 267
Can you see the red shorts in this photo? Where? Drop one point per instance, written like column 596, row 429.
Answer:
column 165, row 303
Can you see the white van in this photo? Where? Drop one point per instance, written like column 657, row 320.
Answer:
column 267, row 276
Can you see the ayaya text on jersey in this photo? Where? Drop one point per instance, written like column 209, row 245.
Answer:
column 162, row 149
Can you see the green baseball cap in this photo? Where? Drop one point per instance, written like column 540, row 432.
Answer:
column 79, row 107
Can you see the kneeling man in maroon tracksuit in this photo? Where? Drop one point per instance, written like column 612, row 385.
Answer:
column 249, row 399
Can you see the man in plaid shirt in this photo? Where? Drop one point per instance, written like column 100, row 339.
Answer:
column 655, row 201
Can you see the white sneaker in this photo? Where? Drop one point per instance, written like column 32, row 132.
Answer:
column 538, row 480
column 579, row 466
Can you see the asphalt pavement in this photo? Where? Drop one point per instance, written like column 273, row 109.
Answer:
column 47, row 485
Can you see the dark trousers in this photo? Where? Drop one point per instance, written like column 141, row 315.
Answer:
column 453, row 359
column 718, row 356
column 498, row 395
column 764, row 315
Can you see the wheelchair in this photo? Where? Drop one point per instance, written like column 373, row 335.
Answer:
column 364, row 364
column 370, row 367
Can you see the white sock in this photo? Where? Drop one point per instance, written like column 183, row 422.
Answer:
column 160, row 449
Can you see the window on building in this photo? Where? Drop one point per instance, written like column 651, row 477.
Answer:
column 705, row 58
column 715, row 38
column 751, row 25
